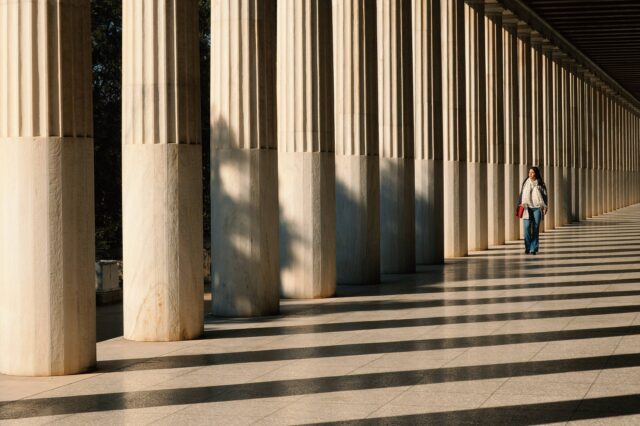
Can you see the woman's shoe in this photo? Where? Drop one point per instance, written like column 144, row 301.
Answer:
column 526, row 251
column 534, row 252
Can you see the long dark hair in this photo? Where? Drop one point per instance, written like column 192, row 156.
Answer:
column 538, row 175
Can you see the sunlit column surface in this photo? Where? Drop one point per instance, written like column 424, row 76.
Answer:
column 47, row 290
column 245, row 267
column 548, row 132
column 590, row 143
column 537, row 117
column 581, row 144
column 161, row 177
column 476, row 126
column 357, row 162
column 567, row 137
column 575, row 141
column 560, row 195
column 306, row 160
column 495, row 126
column 524, row 107
column 397, row 178
column 511, row 102
column 602, row 136
column 454, row 132
column 427, row 82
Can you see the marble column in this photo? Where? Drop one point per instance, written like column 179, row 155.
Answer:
column 454, row 132
column 595, row 126
column 608, row 141
column 575, row 142
column 356, row 139
column 47, row 254
column 395, row 119
column 537, row 111
column 613, row 183
column 476, row 126
column 494, row 80
column 582, row 146
column 567, row 139
column 589, row 141
column 161, row 171
column 548, row 131
column 427, row 83
column 245, row 267
column 306, row 160
column 511, row 103
column 525, row 104
column 597, row 184
column 537, row 119
column 559, row 116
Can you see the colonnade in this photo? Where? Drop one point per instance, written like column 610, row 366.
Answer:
column 349, row 138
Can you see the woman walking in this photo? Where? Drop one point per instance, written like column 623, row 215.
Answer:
column 532, row 204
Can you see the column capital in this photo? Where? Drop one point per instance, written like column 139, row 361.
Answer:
column 558, row 54
column 524, row 30
column 537, row 39
column 493, row 9
column 509, row 20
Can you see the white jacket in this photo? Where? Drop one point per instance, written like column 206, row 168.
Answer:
column 531, row 196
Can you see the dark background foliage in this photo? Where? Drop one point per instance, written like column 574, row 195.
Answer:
column 106, row 18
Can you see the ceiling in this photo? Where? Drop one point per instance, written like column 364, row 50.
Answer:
column 606, row 31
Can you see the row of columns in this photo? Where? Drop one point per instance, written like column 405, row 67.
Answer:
column 349, row 138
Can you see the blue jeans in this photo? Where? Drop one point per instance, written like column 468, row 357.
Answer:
column 532, row 230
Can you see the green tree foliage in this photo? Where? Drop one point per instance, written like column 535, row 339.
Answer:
column 106, row 19
column 106, row 16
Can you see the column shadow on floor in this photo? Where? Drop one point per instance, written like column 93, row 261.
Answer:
column 28, row 408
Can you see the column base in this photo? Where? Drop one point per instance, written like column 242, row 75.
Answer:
column 162, row 242
column 307, row 236
column 397, row 216
column 429, row 212
column 47, row 255
column 245, row 269
column 477, row 206
column 495, row 204
column 357, row 219
column 511, row 191
column 455, row 209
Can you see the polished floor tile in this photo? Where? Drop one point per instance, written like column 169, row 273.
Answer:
column 493, row 337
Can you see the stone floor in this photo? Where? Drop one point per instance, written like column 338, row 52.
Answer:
column 495, row 338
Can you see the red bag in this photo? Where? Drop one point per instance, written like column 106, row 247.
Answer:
column 520, row 212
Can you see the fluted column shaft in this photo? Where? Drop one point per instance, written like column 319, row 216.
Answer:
column 590, row 145
column 525, row 104
column 47, row 254
column 245, row 269
column 162, row 179
column 582, row 108
column 559, row 116
column 397, row 178
column 609, row 150
column 537, row 117
column 548, row 132
column 454, row 132
column 476, row 126
column 602, row 123
column 427, row 82
column 595, row 155
column 306, row 160
column 357, row 162
column 494, row 79
column 567, row 140
column 512, row 179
